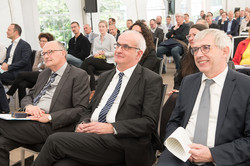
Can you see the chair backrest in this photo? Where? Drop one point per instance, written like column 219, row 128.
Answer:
column 32, row 57
column 235, row 41
column 163, row 94
column 156, row 42
column 159, row 65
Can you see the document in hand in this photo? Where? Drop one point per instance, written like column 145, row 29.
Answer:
column 177, row 144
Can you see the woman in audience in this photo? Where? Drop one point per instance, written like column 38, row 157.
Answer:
column 245, row 23
column 103, row 54
column 187, row 62
column 242, row 54
column 149, row 58
column 28, row 79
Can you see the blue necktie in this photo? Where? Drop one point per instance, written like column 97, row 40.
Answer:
column 43, row 91
column 108, row 105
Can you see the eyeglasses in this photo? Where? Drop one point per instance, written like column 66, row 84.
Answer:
column 49, row 52
column 188, row 36
column 204, row 49
column 124, row 47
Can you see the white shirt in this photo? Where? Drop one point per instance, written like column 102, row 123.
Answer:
column 110, row 118
column 12, row 51
column 215, row 96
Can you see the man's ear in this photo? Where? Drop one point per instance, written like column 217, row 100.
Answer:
column 226, row 51
column 139, row 54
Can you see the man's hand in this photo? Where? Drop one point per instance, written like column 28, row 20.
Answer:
column 43, row 119
column 95, row 127
column 176, row 27
column 5, row 66
column 35, row 111
column 200, row 154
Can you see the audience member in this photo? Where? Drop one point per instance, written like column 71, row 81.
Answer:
column 54, row 103
column 114, row 31
column 149, row 58
column 222, row 20
column 203, row 22
column 241, row 17
column 236, row 14
column 242, row 54
column 27, row 79
column 202, row 15
column 160, row 25
column 187, row 21
column 219, row 17
column 231, row 26
column 79, row 46
column 245, row 24
column 175, row 48
column 210, row 23
column 187, row 61
column 2, row 53
column 214, row 117
column 4, row 105
column 112, row 21
column 89, row 34
column 156, row 31
column 168, row 24
column 121, row 134
column 103, row 54
column 129, row 23
column 17, row 56
column 246, row 10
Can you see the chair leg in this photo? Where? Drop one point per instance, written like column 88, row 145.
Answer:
column 22, row 156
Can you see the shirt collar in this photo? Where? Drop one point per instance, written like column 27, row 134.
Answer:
column 219, row 79
column 127, row 72
column 17, row 40
column 61, row 70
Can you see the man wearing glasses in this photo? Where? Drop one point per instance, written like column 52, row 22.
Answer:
column 53, row 104
column 123, row 116
column 213, row 107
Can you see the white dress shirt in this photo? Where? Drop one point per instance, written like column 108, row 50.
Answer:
column 110, row 118
column 12, row 51
column 215, row 96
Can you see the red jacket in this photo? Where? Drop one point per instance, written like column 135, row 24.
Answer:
column 242, row 46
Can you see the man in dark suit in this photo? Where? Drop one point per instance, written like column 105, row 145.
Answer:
column 231, row 25
column 54, row 103
column 114, row 31
column 226, row 126
column 18, row 55
column 125, row 135
column 156, row 32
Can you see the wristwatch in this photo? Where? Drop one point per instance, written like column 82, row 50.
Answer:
column 50, row 118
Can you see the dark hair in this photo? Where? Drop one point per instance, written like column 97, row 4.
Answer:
column 113, row 20
column 17, row 28
column 74, row 22
column 48, row 36
column 130, row 20
column 210, row 13
column 186, row 14
column 146, row 33
column 187, row 62
column 153, row 20
column 168, row 17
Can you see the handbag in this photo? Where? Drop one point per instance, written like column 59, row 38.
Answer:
column 170, row 43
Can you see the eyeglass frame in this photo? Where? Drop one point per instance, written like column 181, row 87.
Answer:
column 126, row 48
column 49, row 52
column 188, row 36
column 201, row 48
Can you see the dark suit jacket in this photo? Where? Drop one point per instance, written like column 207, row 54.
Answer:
column 232, row 137
column 21, row 58
column 137, row 116
column 221, row 25
column 150, row 61
column 234, row 28
column 158, row 34
column 71, row 95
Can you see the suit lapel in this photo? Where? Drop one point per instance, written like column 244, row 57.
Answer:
column 226, row 95
column 131, row 83
column 192, row 98
column 59, row 86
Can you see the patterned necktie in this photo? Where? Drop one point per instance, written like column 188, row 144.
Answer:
column 43, row 91
column 87, row 36
column 201, row 127
column 109, row 103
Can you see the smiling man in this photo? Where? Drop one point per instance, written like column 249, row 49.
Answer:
column 213, row 106
column 54, row 103
column 124, row 114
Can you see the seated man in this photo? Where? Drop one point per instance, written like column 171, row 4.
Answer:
column 54, row 103
column 122, row 123
column 79, row 46
column 231, row 26
column 114, row 31
column 179, row 32
column 213, row 106
column 156, row 32
column 89, row 34
column 18, row 55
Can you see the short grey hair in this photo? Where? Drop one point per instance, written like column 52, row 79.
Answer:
column 179, row 14
column 140, row 41
column 221, row 39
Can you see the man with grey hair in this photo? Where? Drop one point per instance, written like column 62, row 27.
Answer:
column 123, row 116
column 231, row 26
column 213, row 107
column 176, row 41
column 53, row 104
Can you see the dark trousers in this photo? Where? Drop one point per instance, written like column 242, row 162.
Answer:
column 4, row 105
column 85, row 148
column 7, row 76
column 14, row 134
column 90, row 65
column 26, row 79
